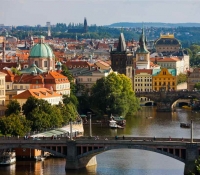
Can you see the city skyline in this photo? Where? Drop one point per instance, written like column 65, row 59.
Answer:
column 99, row 12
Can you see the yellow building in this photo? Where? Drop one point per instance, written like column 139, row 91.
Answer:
column 164, row 78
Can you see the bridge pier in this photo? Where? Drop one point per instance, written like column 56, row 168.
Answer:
column 191, row 156
column 164, row 107
column 73, row 162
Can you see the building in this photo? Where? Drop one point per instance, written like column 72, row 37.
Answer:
column 121, row 59
column 142, row 54
column 42, row 55
column 193, row 78
column 167, row 44
column 74, row 29
column 164, row 78
column 41, row 93
column 142, row 80
column 2, row 93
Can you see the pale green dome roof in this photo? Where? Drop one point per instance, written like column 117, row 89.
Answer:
column 41, row 50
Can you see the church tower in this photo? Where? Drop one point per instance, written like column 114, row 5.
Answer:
column 142, row 54
column 121, row 59
column 85, row 26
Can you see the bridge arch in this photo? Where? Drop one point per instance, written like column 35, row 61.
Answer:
column 140, row 147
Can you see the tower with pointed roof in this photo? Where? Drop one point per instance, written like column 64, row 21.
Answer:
column 121, row 59
column 142, row 54
column 85, row 25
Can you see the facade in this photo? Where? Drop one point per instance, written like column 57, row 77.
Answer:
column 167, row 44
column 87, row 77
column 41, row 93
column 142, row 80
column 193, row 78
column 164, row 78
column 121, row 59
column 51, row 80
column 142, row 54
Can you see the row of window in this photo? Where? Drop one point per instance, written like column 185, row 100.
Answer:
column 2, row 92
column 141, row 80
column 142, row 85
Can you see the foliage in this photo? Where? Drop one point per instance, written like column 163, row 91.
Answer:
column 13, row 108
column 70, row 77
column 14, row 125
column 30, row 105
column 72, row 98
column 114, row 94
column 194, row 56
column 197, row 86
column 15, row 71
column 181, row 78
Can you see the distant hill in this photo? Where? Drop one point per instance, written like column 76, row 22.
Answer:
column 153, row 24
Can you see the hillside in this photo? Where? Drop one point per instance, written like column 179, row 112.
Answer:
column 153, row 24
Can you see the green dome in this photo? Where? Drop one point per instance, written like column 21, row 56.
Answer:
column 41, row 50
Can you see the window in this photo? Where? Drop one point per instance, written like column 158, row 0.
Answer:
column 36, row 63
column 8, row 86
column 45, row 63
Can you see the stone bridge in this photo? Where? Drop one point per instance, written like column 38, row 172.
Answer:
column 82, row 152
column 166, row 100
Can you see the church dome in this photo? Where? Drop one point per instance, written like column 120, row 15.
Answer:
column 41, row 50
column 167, row 39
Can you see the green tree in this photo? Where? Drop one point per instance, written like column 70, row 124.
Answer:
column 13, row 108
column 14, row 125
column 15, row 71
column 197, row 86
column 30, row 105
column 114, row 94
column 181, row 78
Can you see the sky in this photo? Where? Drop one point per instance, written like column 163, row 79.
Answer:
column 99, row 12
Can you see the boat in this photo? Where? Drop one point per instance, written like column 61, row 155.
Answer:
column 187, row 107
column 119, row 119
column 7, row 158
column 185, row 125
column 113, row 124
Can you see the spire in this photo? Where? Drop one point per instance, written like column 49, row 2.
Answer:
column 142, row 43
column 121, row 44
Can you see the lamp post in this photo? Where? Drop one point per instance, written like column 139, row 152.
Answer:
column 89, row 114
column 191, row 132
column 70, row 122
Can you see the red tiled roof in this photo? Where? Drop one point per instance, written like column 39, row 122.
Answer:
column 40, row 93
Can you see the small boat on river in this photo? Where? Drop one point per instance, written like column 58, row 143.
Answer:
column 119, row 120
column 7, row 158
column 185, row 125
column 113, row 124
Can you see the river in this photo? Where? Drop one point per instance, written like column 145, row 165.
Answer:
column 124, row 161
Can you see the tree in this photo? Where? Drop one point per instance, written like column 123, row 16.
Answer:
column 197, row 86
column 114, row 94
column 30, row 105
column 15, row 125
column 13, row 108
column 181, row 78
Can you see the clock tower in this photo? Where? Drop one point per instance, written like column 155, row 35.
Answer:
column 142, row 54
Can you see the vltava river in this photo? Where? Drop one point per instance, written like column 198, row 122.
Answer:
column 126, row 161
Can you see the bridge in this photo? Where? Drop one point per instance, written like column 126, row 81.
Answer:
column 82, row 151
column 165, row 100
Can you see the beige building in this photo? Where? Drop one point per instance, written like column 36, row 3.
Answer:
column 142, row 80
column 193, row 78
column 41, row 93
